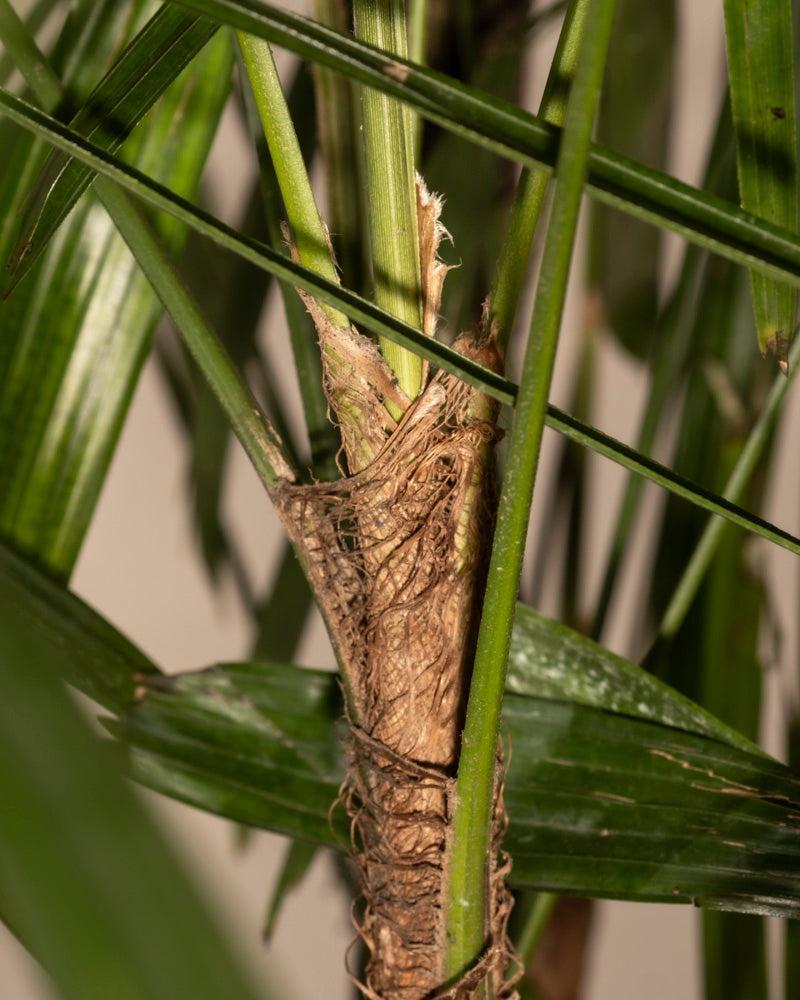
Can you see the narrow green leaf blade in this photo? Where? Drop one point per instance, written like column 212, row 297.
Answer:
column 152, row 61
column 75, row 335
column 373, row 318
column 759, row 38
column 505, row 129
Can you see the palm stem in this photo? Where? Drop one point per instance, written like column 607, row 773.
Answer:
column 391, row 191
column 310, row 238
column 475, row 788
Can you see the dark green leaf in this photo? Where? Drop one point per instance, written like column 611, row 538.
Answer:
column 549, row 660
column 605, row 805
column 253, row 742
column 600, row 802
column 759, row 37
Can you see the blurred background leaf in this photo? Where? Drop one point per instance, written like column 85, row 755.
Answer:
column 75, row 334
column 634, row 119
column 86, row 882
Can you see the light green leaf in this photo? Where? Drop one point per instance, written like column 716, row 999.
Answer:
column 152, row 61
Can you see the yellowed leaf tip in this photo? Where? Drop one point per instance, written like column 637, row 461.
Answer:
column 779, row 346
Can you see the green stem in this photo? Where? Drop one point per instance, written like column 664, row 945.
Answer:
column 417, row 38
column 471, row 828
column 323, row 437
column 704, row 550
column 391, row 191
column 509, row 273
column 310, row 238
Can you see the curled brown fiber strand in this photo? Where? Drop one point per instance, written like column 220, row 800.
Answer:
column 396, row 554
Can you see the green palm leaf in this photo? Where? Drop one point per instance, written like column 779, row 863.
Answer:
column 616, row 786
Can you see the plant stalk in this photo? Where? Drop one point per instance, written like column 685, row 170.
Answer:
column 391, row 193
column 310, row 237
column 477, row 781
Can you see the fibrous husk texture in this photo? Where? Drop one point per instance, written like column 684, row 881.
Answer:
column 396, row 553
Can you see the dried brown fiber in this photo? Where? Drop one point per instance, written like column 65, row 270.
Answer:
column 396, row 555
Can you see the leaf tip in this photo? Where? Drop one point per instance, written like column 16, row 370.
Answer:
column 779, row 346
column 22, row 249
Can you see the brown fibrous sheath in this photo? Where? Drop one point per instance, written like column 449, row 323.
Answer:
column 396, row 554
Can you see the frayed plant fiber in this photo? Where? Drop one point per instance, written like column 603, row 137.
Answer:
column 396, row 554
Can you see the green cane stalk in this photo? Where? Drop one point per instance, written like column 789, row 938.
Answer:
column 389, row 148
column 475, row 787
